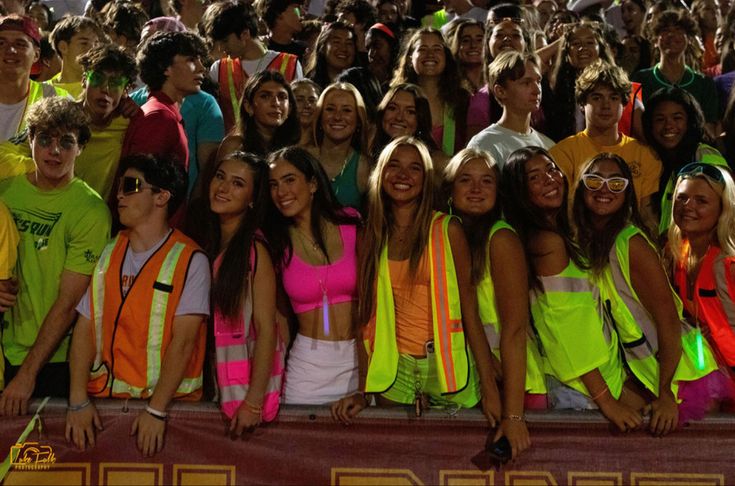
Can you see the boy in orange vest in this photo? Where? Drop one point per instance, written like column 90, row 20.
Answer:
column 141, row 332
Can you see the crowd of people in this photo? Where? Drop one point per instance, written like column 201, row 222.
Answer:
column 353, row 203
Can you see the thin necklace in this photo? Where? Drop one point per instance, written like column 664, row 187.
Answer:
column 322, row 277
column 344, row 165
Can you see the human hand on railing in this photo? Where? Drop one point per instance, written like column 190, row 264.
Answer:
column 347, row 408
column 149, row 431
column 246, row 419
column 623, row 416
column 81, row 425
column 664, row 415
column 14, row 399
column 515, row 430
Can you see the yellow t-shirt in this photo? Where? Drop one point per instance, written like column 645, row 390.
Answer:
column 74, row 88
column 573, row 152
column 15, row 158
column 97, row 163
column 8, row 255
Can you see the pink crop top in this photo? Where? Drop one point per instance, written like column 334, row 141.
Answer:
column 305, row 284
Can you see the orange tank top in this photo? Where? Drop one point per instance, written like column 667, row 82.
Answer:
column 412, row 300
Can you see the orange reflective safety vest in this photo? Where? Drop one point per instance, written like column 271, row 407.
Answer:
column 132, row 333
column 232, row 80
column 625, row 125
column 713, row 300
column 452, row 357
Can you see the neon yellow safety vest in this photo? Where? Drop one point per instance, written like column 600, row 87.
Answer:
column 36, row 92
column 450, row 352
column 535, row 381
column 704, row 154
column 636, row 328
column 575, row 338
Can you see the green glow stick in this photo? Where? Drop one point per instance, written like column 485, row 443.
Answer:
column 700, row 350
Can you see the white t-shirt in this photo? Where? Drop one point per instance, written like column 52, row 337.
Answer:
column 255, row 66
column 501, row 142
column 195, row 296
column 10, row 118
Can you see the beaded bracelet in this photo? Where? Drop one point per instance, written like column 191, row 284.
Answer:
column 76, row 408
column 514, row 418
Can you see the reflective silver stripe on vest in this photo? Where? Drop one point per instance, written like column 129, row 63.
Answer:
column 235, row 352
column 568, row 284
column 723, row 292
column 492, row 336
column 237, row 393
column 159, row 306
column 648, row 344
column 97, row 305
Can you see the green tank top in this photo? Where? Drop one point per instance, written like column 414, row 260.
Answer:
column 344, row 184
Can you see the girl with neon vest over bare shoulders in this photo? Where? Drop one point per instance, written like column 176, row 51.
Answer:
column 313, row 243
column 248, row 345
column 418, row 312
column 669, row 363
column 580, row 349
column 471, row 186
column 702, row 247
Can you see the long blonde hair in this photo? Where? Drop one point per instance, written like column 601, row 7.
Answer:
column 379, row 223
column 361, row 137
column 725, row 230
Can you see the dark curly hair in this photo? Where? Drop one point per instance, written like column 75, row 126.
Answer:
column 158, row 51
column 111, row 58
column 59, row 113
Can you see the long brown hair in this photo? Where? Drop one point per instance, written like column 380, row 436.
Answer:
column 379, row 224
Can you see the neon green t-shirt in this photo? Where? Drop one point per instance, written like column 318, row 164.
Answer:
column 61, row 229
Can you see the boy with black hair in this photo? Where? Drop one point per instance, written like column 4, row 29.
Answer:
column 149, row 275
column 123, row 22
column 283, row 18
column 602, row 90
column 171, row 66
column 189, row 12
column 63, row 226
column 73, row 36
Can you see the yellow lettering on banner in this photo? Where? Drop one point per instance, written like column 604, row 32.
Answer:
column 580, row 478
column 121, row 473
column 666, row 479
column 196, row 474
column 68, row 473
column 348, row 476
column 462, row 477
column 529, row 478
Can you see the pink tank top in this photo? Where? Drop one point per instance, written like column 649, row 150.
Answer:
column 306, row 284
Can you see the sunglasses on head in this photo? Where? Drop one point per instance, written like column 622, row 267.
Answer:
column 96, row 79
column 66, row 142
column 131, row 185
column 594, row 182
column 697, row 168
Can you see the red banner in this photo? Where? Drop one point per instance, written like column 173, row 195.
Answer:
column 382, row 447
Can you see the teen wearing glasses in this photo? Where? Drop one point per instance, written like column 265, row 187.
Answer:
column 63, row 225
column 564, row 301
column 702, row 247
column 140, row 332
column 660, row 349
